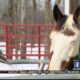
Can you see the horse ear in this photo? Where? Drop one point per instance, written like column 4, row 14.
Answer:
column 76, row 15
column 57, row 13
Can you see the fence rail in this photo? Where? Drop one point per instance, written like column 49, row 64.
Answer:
column 25, row 40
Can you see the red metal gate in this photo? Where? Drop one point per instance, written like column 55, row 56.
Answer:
column 28, row 40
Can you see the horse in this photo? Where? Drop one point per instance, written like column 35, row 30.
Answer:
column 65, row 40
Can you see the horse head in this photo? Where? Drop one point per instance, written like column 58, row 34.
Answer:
column 65, row 39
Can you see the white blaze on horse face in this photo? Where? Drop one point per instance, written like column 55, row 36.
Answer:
column 63, row 46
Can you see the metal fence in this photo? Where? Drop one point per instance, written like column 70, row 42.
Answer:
column 25, row 40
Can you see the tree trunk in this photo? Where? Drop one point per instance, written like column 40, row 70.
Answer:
column 11, row 20
column 35, row 21
column 35, row 10
column 47, row 12
column 73, row 5
column 23, row 18
column 17, row 14
column 48, row 20
column 58, row 2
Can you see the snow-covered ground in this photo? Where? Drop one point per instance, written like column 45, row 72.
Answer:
column 22, row 66
column 34, row 50
column 4, row 67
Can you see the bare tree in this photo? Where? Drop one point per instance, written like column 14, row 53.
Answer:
column 17, row 21
column 23, row 20
column 73, row 5
column 35, row 10
column 11, row 20
column 17, row 14
column 35, row 21
column 47, row 12
column 48, row 19
column 58, row 2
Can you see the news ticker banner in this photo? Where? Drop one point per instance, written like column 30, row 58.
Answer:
column 76, row 70
column 40, row 72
